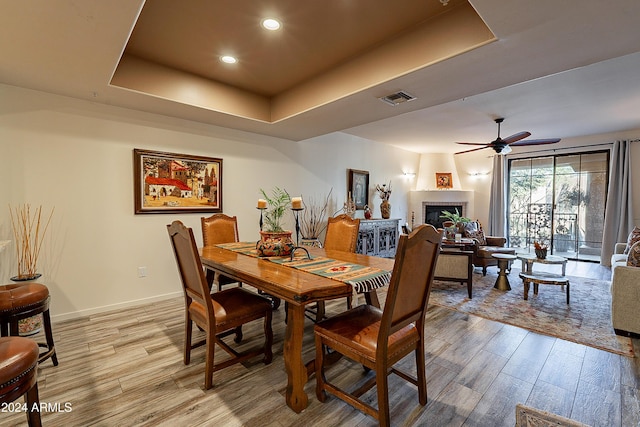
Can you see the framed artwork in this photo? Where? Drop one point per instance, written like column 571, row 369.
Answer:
column 359, row 187
column 176, row 183
column 443, row 180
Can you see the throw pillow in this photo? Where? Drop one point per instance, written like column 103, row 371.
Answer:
column 633, row 260
column 634, row 237
column 473, row 230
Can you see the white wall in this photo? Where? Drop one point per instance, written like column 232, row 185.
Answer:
column 78, row 157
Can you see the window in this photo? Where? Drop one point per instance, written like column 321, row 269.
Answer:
column 559, row 200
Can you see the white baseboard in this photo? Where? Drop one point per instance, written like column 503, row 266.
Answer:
column 105, row 308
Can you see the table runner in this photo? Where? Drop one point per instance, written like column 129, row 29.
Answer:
column 361, row 277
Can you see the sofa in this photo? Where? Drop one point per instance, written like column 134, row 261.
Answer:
column 625, row 294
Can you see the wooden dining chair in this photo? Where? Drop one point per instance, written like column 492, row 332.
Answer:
column 379, row 339
column 216, row 229
column 341, row 235
column 215, row 313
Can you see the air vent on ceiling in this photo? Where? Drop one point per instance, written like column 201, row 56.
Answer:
column 397, row 98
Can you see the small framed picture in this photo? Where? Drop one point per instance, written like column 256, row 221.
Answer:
column 359, row 187
column 176, row 183
column 443, row 180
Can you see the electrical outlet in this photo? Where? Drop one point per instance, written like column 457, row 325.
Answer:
column 142, row 271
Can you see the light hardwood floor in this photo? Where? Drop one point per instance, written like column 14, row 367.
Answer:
column 124, row 368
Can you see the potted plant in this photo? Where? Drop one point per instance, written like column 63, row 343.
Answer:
column 540, row 249
column 458, row 220
column 274, row 240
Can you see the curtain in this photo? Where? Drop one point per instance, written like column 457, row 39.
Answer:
column 497, row 200
column 618, row 216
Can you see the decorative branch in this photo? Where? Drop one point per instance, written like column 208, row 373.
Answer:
column 383, row 191
column 29, row 236
column 312, row 220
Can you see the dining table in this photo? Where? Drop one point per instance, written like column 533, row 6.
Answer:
column 298, row 288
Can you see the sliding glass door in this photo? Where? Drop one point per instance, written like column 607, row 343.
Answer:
column 559, row 200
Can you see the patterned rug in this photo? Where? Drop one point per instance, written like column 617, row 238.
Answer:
column 586, row 320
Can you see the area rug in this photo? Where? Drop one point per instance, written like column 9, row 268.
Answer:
column 527, row 416
column 586, row 320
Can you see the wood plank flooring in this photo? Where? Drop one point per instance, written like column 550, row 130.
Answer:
column 124, row 368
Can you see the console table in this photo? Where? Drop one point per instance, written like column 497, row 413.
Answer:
column 378, row 237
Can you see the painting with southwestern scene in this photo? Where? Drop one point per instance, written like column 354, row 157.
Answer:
column 169, row 183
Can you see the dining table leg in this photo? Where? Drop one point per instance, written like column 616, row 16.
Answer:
column 295, row 397
column 371, row 298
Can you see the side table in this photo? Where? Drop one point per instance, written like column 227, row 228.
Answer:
column 502, row 282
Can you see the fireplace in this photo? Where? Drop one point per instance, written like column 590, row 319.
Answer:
column 433, row 212
column 427, row 206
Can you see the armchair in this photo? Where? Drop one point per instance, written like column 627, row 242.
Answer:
column 486, row 246
column 455, row 266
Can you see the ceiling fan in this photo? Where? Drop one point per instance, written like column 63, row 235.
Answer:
column 503, row 146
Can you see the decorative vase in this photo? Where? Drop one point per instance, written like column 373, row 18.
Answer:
column 385, row 209
column 310, row 241
column 275, row 243
column 31, row 325
column 541, row 253
column 367, row 212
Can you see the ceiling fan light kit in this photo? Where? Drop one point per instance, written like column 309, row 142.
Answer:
column 503, row 146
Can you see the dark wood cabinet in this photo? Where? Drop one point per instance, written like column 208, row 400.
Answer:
column 378, row 237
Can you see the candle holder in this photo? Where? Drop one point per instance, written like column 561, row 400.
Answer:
column 296, row 213
column 261, row 211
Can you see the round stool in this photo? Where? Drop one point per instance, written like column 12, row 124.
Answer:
column 19, row 374
column 20, row 301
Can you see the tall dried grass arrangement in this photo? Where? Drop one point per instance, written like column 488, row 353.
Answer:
column 312, row 220
column 29, row 232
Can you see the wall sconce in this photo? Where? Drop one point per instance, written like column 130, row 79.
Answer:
column 479, row 174
column 409, row 174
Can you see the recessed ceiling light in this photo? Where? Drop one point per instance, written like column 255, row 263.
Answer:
column 271, row 24
column 228, row 59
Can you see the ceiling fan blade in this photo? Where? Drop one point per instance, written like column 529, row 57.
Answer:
column 473, row 149
column 516, row 137
column 535, row 142
column 472, row 143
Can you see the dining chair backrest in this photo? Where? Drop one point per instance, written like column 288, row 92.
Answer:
column 342, row 233
column 233, row 308
column 219, row 228
column 410, row 284
column 189, row 265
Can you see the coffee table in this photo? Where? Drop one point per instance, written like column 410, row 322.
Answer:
column 465, row 244
column 529, row 259
column 542, row 279
column 502, row 282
